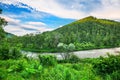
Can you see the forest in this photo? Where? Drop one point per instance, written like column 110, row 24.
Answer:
column 87, row 33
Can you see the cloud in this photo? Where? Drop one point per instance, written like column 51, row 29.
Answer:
column 25, row 15
column 16, row 27
column 109, row 9
column 48, row 6
column 11, row 20
column 74, row 9
column 53, row 7
column 36, row 23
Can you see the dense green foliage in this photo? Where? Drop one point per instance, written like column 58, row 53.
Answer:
column 7, row 52
column 47, row 60
column 33, row 69
column 72, row 59
column 2, row 33
column 107, row 65
column 87, row 33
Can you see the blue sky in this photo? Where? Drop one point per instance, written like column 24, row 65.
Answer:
column 30, row 16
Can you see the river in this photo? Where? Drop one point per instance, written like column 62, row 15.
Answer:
column 81, row 54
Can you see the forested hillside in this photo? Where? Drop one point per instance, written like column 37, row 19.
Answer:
column 86, row 33
column 9, row 35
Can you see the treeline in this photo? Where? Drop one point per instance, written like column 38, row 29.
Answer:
column 87, row 33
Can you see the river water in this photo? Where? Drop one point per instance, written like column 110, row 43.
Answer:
column 81, row 54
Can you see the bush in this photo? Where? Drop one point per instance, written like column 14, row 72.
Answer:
column 20, row 68
column 47, row 60
column 7, row 52
column 3, row 73
column 107, row 65
column 74, row 59
column 85, row 45
column 115, row 75
column 66, row 49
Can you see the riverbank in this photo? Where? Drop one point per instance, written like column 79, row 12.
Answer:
column 81, row 54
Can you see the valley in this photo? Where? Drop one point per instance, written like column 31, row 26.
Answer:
column 76, row 51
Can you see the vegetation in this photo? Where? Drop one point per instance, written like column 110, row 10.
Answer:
column 35, row 69
column 2, row 24
column 47, row 60
column 7, row 52
column 87, row 33
column 14, row 66
column 107, row 65
column 66, row 49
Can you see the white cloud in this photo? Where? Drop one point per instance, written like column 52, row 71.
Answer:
column 26, row 15
column 49, row 6
column 36, row 23
column 9, row 2
column 16, row 27
column 109, row 9
column 10, row 19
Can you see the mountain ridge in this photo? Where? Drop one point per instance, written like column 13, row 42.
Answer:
column 86, row 33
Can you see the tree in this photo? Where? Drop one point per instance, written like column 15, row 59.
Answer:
column 66, row 49
column 2, row 24
column 8, row 52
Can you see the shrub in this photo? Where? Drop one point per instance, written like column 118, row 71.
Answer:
column 84, row 45
column 4, row 50
column 107, row 65
column 14, row 77
column 47, row 60
column 74, row 59
column 3, row 73
column 66, row 49
column 115, row 75
column 15, row 53
column 7, row 52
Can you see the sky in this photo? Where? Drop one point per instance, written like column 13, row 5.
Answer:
column 31, row 16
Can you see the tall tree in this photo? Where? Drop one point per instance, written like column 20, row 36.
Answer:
column 2, row 24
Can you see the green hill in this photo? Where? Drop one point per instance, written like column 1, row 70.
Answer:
column 4, row 34
column 9, row 35
column 90, row 29
column 86, row 33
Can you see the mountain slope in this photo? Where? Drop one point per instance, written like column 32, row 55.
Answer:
column 101, row 32
column 9, row 35
column 87, row 33
column 4, row 34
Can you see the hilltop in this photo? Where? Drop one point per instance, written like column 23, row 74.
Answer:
column 86, row 33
